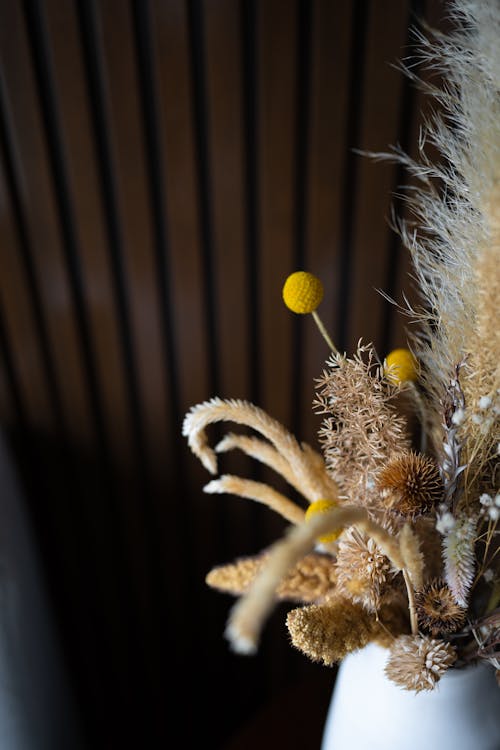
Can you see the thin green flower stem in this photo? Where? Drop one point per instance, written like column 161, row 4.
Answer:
column 324, row 333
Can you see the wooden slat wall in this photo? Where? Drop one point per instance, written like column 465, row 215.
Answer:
column 164, row 165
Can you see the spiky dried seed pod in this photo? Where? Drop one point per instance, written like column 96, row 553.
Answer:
column 410, row 485
column 417, row 662
column 437, row 611
column 363, row 571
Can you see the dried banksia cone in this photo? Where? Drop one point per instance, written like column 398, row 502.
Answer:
column 437, row 610
column 328, row 632
column 418, row 662
column 410, row 485
column 363, row 571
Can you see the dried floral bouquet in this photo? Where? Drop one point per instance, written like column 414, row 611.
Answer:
column 397, row 542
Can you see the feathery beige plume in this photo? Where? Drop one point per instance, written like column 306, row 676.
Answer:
column 312, row 579
column 453, row 233
column 417, row 662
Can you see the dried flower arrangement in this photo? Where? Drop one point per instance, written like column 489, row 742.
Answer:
column 397, row 541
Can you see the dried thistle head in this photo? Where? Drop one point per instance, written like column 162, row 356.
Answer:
column 417, row 662
column 410, row 485
column 363, row 572
column 437, row 611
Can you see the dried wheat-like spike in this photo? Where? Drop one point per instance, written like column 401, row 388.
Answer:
column 312, row 579
column 261, row 493
column 326, row 633
column 236, row 578
column 318, row 464
column 417, row 663
column 264, row 452
column 362, row 429
column 249, row 613
column 412, row 554
column 242, row 412
column 453, row 415
column 437, row 611
column 410, row 485
column 459, row 558
column 259, row 449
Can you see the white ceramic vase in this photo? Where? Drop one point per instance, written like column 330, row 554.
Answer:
column 368, row 712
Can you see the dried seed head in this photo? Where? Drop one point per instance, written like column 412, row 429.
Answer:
column 437, row 610
column 363, row 571
column 410, row 485
column 328, row 632
column 418, row 662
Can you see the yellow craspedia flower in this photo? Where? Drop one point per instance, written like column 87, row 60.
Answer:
column 400, row 365
column 323, row 506
column 302, row 292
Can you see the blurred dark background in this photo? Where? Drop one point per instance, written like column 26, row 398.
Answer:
column 164, row 165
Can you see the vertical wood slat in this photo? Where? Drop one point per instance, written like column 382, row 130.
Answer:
column 379, row 120
column 83, row 187
column 328, row 107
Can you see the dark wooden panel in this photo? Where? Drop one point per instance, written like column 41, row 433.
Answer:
column 327, row 146
column 380, row 116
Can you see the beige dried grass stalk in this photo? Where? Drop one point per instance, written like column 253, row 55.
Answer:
column 413, row 557
column 202, row 415
column 257, row 491
column 263, row 451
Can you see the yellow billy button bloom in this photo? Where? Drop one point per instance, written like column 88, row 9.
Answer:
column 400, row 366
column 323, row 506
column 302, row 292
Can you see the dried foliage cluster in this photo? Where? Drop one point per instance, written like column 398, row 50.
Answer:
column 416, row 566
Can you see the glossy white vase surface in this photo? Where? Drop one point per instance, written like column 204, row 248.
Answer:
column 369, row 712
